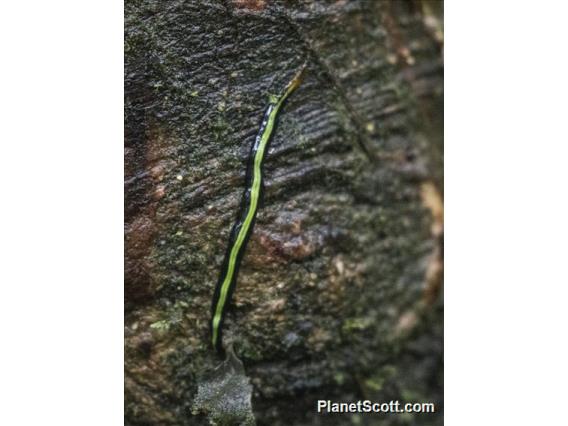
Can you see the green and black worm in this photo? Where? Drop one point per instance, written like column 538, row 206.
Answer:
column 242, row 229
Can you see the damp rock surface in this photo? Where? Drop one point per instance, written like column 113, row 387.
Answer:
column 339, row 294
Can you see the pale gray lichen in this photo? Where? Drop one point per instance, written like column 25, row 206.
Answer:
column 225, row 394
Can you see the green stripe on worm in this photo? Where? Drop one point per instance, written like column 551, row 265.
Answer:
column 242, row 229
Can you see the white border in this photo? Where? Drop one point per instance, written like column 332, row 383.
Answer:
column 61, row 232
column 506, row 205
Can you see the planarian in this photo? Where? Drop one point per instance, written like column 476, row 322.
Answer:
column 242, row 229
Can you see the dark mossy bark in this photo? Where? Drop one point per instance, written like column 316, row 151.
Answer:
column 339, row 291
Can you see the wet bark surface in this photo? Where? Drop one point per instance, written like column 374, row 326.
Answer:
column 339, row 293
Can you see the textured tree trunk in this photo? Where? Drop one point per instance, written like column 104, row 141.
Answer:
column 339, row 293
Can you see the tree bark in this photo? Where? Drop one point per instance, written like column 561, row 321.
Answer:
column 339, row 294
